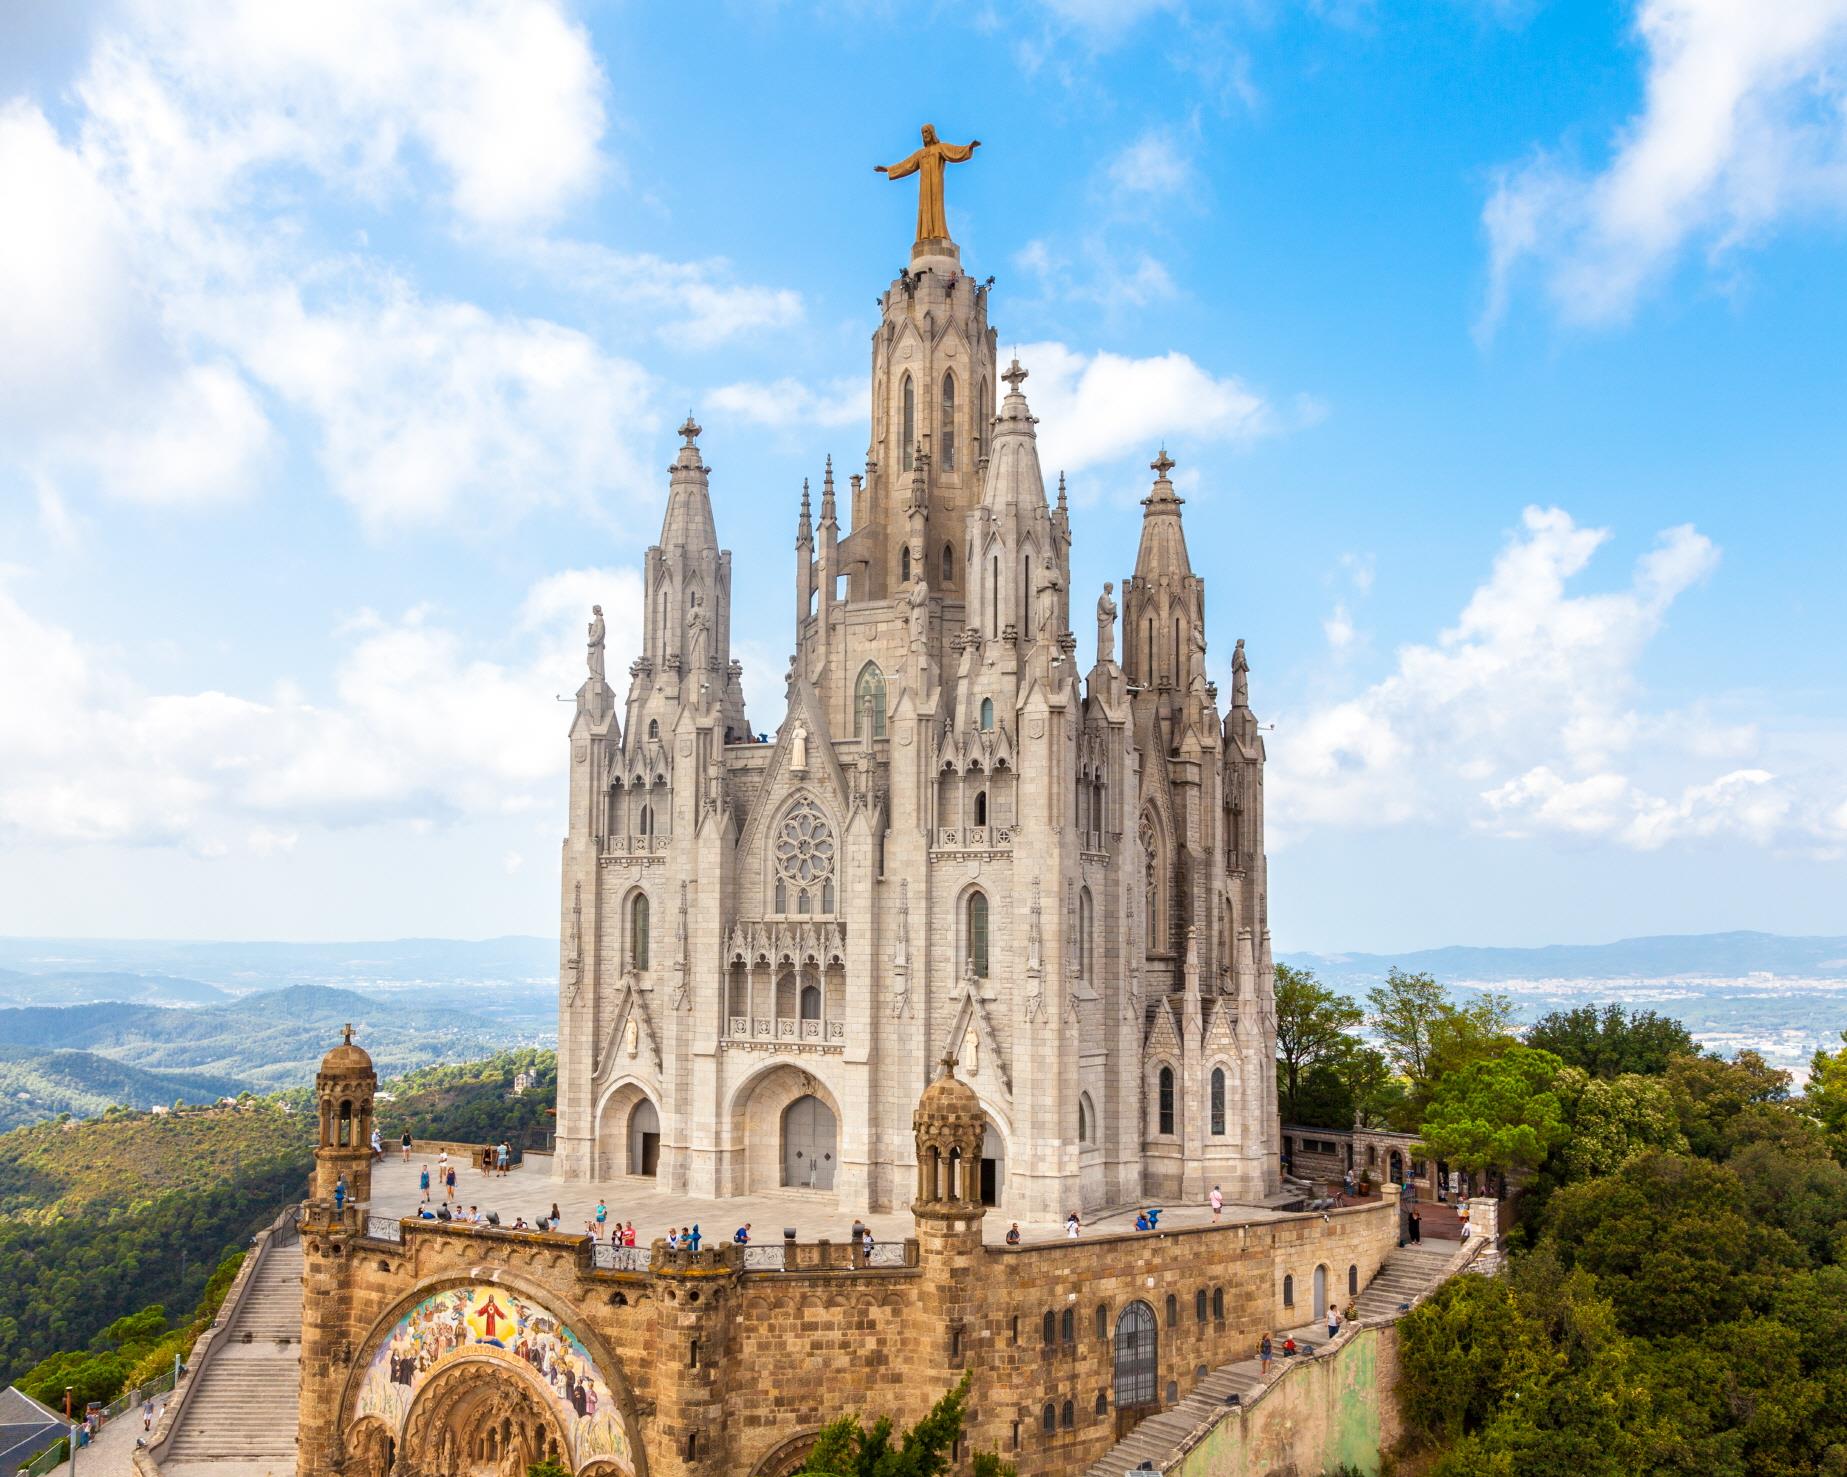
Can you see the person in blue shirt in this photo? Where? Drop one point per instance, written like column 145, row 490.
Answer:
column 692, row 1237
column 742, row 1235
column 339, row 1195
column 1142, row 1223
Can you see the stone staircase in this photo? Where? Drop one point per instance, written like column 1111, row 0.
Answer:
column 1406, row 1275
column 240, row 1418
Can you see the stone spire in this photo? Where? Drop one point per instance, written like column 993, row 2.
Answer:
column 1013, row 475
column 1164, row 601
column 688, row 524
column 804, row 562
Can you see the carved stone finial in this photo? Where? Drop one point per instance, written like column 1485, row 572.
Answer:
column 1162, row 464
column 1015, row 377
column 690, row 429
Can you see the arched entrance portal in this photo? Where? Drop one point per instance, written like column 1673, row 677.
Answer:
column 993, row 1165
column 810, row 1144
column 644, row 1139
column 1137, row 1357
column 481, row 1418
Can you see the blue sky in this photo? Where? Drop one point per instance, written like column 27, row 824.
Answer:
column 1498, row 343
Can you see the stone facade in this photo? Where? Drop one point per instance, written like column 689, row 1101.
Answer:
column 952, row 843
column 431, row 1349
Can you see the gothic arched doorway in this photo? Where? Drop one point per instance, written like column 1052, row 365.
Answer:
column 810, row 1144
column 481, row 1418
column 644, row 1139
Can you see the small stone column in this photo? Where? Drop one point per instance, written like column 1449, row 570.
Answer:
column 343, row 1093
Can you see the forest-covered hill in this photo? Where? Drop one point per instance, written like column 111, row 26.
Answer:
column 270, row 1040
column 100, row 1219
column 36, row 1084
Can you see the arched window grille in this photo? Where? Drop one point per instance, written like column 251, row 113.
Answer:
column 908, row 420
column 1199, row 1306
column 654, row 728
column 1218, row 1304
column 1067, row 1325
column 1173, row 1311
column 638, row 931
column 1289, row 1291
column 1165, row 1097
column 1217, row 1104
column 1050, row 1327
column 946, row 441
column 978, row 932
column 987, row 715
column 904, row 564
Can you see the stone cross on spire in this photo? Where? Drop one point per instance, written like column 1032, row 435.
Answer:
column 1162, row 464
column 690, row 429
column 346, row 1034
column 1015, row 376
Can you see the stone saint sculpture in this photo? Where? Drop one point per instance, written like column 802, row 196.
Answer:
column 798, row 747
column 596, row 642
column 1106, row 626
column 927, row 164
column 920, row 614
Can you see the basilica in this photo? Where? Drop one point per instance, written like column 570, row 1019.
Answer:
column 950, row 843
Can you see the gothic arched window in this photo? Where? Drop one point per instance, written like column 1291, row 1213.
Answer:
column 946, row 444
column 904, row 564
column 981, row 807
column 949, row 564
column 654, row 728
column 1218, row 1102
column 1085, row 961
column 1166, row 1100
column 804, row 858
column 869, row 700
column 981, row 418
column 645, row 825
column 638, row 931
column 907, row 398
column 987, row 715
column 978, row 932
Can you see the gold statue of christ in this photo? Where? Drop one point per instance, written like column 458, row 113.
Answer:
column 927, row 164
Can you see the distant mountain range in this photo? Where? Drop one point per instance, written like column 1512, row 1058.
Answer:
column 261, row 1014
column 265, row 1040
column 1700, row 955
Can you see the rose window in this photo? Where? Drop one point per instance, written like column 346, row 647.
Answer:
column 804, row 853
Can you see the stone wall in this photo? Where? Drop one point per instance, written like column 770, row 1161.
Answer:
column 719, row 1369
column 1327, row 1411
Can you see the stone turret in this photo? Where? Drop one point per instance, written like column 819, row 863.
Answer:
column 1164, row 610
column 686, row 614
column 343, row 1091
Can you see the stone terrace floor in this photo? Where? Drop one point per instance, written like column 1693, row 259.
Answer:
column 530, row 1191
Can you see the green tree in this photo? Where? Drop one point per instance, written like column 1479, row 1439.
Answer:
column 1501, row 1112
column 1714, row 1098
column 1324, row 1099
column 1403, row 1013
column 1312, row 1026
column 1826, row 1099
column 1670, row 1241
column 847, row 1449
column 1610, row 1120
column 1610, row 1042
column 547, row 1469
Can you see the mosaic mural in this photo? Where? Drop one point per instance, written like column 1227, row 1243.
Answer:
column 484, row 1322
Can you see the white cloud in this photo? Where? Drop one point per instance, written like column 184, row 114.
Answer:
column 783, row 403
column 1338, row 627
column 1740, row 128
column 425, row 408
column 197, row 104
column 1098, row 407
column 1153, row 164
column 1525, row 717
column 419, row 728
column 173, row 314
